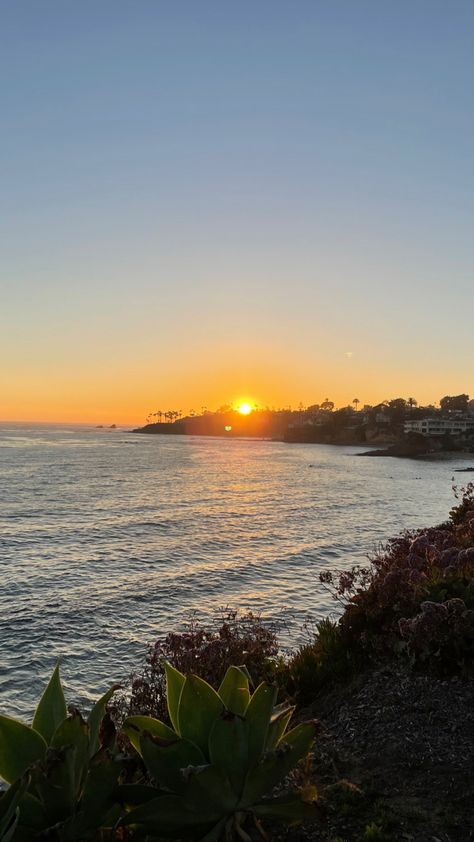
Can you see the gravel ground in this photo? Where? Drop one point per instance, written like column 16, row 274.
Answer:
column 394, row 761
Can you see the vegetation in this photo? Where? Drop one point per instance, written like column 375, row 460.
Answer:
column 193, row 762
column 321, row 422
column 205, row 775
column 62, row 770
column 206, row 651
column 225, row 752
column 416, row 597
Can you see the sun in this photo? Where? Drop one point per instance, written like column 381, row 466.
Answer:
column 244, row 408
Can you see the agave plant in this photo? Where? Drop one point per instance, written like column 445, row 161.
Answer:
column 219, row 762
column 61, row 776
column 9, row 808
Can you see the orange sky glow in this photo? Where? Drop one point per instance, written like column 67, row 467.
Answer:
column 125, row 391
column 243, row 202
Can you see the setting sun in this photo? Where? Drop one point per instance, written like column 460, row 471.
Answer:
column 245, row 409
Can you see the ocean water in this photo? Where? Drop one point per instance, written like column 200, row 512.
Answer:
column 109, row 539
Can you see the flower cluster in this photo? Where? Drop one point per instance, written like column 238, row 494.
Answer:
column 433, row 566
column 441, row 634
column 207, row 651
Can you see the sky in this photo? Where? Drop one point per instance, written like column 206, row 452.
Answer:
column 209, row 202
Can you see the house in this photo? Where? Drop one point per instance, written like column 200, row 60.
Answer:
column 456, row 425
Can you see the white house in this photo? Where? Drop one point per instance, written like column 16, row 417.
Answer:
column 440, row 426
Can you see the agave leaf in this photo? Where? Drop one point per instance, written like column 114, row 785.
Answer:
column 209, row 790
column 100, row 786
column 228, row 749
column 278, row 725
column 174, row 685
column 165, row 761
column 51, row 709
column 135, row 726
column 74, row 731
column 20, row 747
column 32, row 812
column 168, row 816
column 199, row 707
column 216, row 832
column 95, row 719
column 234, row 690
column 258, row 716
column 10, row 828
column 9, row 812
column 132, row 795
column 54, row 782
column 277, row 764
column 98, row 799
column 287, row 808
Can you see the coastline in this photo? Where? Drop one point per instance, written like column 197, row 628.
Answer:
column 390, row 448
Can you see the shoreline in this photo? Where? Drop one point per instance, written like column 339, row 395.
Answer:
column 389, row 449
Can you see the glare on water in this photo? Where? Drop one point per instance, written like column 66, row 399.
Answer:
column 109, row 539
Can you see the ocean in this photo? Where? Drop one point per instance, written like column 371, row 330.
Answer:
column 109, row 539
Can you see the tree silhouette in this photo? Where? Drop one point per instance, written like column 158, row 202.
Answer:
column 454, row 403
column 356, row 402
column 327, row 404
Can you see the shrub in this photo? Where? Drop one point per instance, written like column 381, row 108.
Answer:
column 325, row 658
column 441, row 635
column 206, row 651
column 434, row 565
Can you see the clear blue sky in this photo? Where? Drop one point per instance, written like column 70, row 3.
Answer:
column 214, row 200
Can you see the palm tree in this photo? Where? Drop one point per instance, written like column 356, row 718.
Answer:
column 412, row 402
column 356, row 402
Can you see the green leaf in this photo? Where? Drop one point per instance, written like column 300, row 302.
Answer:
column 234, row 690
column 168, row 816
column 258, row 716
column 174, row 685
column 74, row 731
column 209, row 789
column 278, row 725
column 165, row 761
column 199, row 707
column 32, row 812
column 276, row 765
column 20, row 747
column 99, row 794
column 95, row 719
column 54, row 783
column 228, row 749
column 215, row 834
column 287, row 808
column 51, row 709
column 9, row 812
column 135, row 726
column 132, row 795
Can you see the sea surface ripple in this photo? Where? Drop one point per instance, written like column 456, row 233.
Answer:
column 109, row 539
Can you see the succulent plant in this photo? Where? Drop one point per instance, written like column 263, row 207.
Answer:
column 219, row 762
column 9, row 809
column 61, row 776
